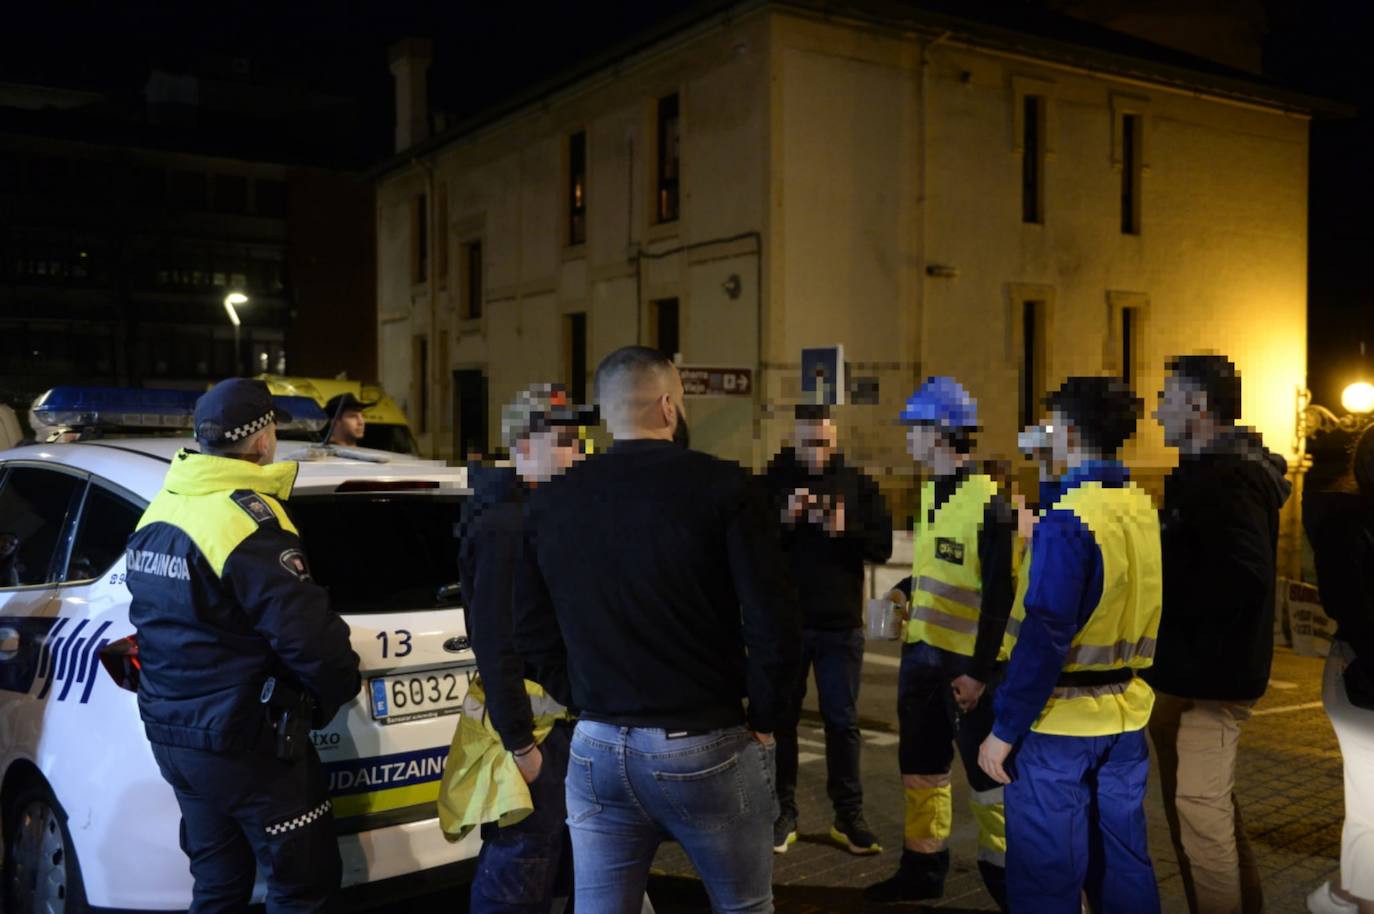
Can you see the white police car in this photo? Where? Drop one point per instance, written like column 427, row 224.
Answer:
column 86, row 817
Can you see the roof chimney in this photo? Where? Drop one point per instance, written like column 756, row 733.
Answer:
column 410, row 59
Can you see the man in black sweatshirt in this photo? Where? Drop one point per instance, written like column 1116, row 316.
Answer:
column 1219, row 534
column 664, row 576
column 833, row 520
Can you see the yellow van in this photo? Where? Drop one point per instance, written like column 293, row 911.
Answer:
column 387, row 428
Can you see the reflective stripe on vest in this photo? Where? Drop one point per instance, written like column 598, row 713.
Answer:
column 1121, row 630
column 946, row 575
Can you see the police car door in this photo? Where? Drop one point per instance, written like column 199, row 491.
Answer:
column 37, row 509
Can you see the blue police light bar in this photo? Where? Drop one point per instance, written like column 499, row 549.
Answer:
column 149, row 409
column 81, row 407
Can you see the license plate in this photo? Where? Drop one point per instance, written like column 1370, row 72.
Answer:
column 425, row 693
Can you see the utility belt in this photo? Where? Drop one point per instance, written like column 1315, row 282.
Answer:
column 288, row 712
column 1083, row 679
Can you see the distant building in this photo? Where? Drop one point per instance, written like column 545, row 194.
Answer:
column 126, row 217
column 1007, row 203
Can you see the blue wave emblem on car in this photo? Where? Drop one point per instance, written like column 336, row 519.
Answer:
column 70, row 658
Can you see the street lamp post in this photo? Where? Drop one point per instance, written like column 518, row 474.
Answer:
column 230, row 300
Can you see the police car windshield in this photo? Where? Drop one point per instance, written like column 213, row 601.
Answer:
column 380, row 553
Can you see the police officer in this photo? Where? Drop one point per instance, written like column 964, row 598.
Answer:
column 957, row 636
column 1071, row 697
column 226, row 616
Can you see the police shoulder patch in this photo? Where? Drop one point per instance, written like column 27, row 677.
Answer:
column 293, row 560
column 254, row 505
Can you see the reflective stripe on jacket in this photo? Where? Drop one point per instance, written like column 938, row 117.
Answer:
column 1120, row 632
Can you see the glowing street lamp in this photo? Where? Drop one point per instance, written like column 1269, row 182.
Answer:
column 230, row 300
column 1358, row 398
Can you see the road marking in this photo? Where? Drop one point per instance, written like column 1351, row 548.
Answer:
column 882, row 659
column 880, row 739
column 1285, row 709
column 1282, row 684
column 813, row 743
column 804, row 757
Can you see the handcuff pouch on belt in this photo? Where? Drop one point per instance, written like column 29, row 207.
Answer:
column 289, row 712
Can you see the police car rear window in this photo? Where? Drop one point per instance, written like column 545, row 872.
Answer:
column 380, row 553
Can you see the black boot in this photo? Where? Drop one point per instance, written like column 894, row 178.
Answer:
column 995, row 878
column 919, row 877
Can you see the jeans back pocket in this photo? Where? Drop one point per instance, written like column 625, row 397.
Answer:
column 712, row 799
column 581, row 795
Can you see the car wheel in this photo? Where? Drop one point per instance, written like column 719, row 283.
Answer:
column 41, row 871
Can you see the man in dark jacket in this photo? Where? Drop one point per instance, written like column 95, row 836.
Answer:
column 1219, row 533
column 833, row 520
column 666, row 580
column 521, row 865
column 223, row 603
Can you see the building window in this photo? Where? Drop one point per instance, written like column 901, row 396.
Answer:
column 1130, row 174
column 577, row 187
column 419, row 382
column 1128, row 335
column 189, row 190
column 666, row 330
column 575, row 337
column 669, row 136
column 1032, row 360
column 1033, row 159
column 231, row 194
column 441, row 241
column 472, row 286
column 270, row 198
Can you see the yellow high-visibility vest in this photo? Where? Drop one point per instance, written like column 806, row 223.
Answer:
column 1120, row 633
column 946, row 576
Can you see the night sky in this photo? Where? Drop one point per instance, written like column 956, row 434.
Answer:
column 487, row 51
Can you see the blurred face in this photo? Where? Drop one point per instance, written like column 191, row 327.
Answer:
column 349, row 428
column 546, row 455
column 1063, row 439
column 929, row 449
column 8, row 543
column 815, row 442
column 267, row 449
column 1179, row 409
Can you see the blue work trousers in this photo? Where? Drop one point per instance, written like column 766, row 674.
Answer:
column 1076, row 823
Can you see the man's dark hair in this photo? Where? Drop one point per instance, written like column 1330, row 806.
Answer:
column 811, row 412
column 1103, row 410
column 1217, row 377
column 628, row 360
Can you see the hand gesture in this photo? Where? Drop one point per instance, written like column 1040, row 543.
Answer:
column 530, row 763
column 992, row 757
column 967, row 691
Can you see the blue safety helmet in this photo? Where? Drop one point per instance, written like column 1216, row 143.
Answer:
column 943, row 402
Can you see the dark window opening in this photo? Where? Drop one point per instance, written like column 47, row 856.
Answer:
column 1032, row 159
column 470, row 423
column 1032, row 361
column 412, row 551
column 666, row 329
column 421, row 383
column 189, row 190
column 669, row 137
column 577, row 357
column 106, row 523
column 441, row 240
column 270, row 198
column 231, row 194
column 34, row 505
column 1130, row 174
column 1128, row 346
column 577, row 187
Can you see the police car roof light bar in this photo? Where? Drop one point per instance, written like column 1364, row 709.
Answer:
column 147, row 408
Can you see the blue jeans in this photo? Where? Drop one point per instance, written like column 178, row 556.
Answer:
column 837, row 657
column 521, row 866
column 630, row 788
column 1076, row 822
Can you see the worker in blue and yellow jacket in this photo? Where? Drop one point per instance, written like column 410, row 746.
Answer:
column 959, row 633
column 1071, row 703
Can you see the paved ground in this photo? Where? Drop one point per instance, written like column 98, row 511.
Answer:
column 1289, row 785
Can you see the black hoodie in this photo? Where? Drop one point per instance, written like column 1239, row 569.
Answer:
column 1219, row 537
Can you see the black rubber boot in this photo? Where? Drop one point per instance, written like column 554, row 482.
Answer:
column 919, row 877
column 995, row 878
